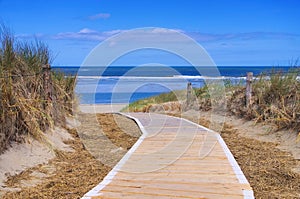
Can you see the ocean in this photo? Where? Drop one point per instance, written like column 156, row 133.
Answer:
column 126, row 84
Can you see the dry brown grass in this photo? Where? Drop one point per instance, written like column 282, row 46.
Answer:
column 24, row 109
column 72, row 174
column 276, row 100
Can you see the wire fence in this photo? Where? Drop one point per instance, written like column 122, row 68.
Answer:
column 45, row 70
column 22, row 75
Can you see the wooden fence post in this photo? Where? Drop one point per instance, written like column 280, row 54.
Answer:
column 47, row 83
column 188, row 94
column 249, row 80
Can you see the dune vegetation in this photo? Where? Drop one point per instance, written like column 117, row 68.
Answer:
column 275, row 99
column 25, row 106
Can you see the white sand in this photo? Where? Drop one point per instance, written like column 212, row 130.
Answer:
column 20, row 157
column 101, row 108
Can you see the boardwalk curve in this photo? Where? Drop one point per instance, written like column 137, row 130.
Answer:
column 166, row 162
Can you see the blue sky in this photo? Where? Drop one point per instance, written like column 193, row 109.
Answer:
column 257, row 32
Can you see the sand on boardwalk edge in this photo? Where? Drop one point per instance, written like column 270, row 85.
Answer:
column 20, row 157
column 101, row 108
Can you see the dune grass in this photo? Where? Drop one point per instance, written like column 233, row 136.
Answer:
column 144, row 104
column 276, row 99
column 23, row 108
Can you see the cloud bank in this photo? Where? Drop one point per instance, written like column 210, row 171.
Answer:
column 87, row 34
column 94, row 35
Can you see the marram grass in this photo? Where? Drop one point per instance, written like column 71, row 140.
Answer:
column 23, row 108
column 275, row 100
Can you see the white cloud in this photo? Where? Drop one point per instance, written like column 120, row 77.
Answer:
column 165, row 31
column 99, row 16
column 87, row 34
column 31, row 36
column 94, row 35
column 87, row 31
column 207, row 37
column 113, row 32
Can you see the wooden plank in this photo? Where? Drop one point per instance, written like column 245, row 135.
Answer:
column 167, row 164
column 180, row 178
column 157, row 192
column 176, row 178
column 219, row 188
column 107, row 194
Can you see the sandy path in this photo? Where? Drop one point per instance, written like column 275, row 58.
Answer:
column 101, row 108
column 269, row 170
column 21, row 157
column 16, row 163
column 72, row 174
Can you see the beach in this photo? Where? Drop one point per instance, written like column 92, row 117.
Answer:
column 101, row 108
column 71, row 73
column 259, row 146
column 269, row 156
column 70, row 170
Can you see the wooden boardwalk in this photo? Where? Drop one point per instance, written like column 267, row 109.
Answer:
column 174, row 158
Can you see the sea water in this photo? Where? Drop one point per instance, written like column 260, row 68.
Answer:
column 126, row 84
